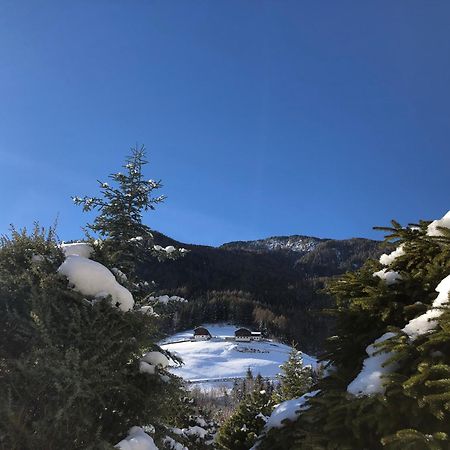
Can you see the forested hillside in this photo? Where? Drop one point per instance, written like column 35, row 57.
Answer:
column 274, row 284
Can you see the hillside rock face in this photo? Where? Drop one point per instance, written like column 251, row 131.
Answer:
column 296, row 243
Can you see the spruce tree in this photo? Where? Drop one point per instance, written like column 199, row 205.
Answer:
column 295, row 379
column 69, row 367
column 70, row 364
column 126, row 241
column 389, row 362
column 240, row 431
column 121, row 205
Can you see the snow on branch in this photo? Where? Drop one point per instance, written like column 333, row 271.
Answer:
column 434, row 227
column 92, row 278
column 289, row 410
column 137, row 439
column 370, row 379
column 427, row 322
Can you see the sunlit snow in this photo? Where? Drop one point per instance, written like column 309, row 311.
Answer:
column 221, row 359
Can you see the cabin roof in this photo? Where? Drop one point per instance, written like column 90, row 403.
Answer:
column 243, row 332
column 201, row 331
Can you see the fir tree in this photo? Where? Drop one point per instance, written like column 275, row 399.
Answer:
column 240, row 431
column 295, row 378
column 69, row 363
column 69, row 368
column 394, row 394
column 121, row 206
column 127, row 241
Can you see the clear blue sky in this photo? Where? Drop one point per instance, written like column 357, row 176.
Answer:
column 261, row 117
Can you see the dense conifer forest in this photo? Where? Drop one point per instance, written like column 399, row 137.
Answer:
column 280, row 292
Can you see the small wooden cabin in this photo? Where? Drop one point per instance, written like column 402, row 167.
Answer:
column 201, row 334
column 243, row 335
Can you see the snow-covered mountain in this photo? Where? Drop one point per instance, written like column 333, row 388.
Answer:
column 295, row 243
column 220, row 360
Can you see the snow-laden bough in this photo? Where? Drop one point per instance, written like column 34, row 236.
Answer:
column 94, row 279
column 433, row 227
column 388, row 276
column 370, row 379
column 137, row 439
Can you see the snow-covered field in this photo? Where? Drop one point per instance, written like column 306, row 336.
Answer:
column 218, row 360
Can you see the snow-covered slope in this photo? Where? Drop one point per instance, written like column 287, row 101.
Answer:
column 219, row 359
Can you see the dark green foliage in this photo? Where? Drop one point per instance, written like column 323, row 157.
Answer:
column 120, row 206
column 278, row 291
column 126, row 241
column 241, row 430
column 295, row 378
column 69, row 368
column 414, row 411
column 195, row 431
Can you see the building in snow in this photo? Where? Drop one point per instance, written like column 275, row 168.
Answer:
column 201, row 334
column 245, row 335
column 256, row 335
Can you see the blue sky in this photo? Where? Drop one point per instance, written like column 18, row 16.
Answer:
column 261, row 117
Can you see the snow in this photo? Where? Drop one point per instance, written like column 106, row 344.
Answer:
column 288, row 410
column 119, row 274
column 192, row 431
column 432, row 229
column 294, row 243
column 173, row 444
column 145, row 367
column 37, row 259
column 201, row 421
column 151, row 360
column 146, row 310
column 369, row 380
column 426, row 322
column 210, row 362
column 168, row 249
column 77, row 248
column 92, row 278
column 165, row 299
column 156, row 359
column 137, row 439
column 389, row 276
column 195, row 431
column 387, row 260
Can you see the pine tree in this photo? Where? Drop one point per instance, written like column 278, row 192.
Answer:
column 393, row 393
column 295, row 378
column 121, row 207
column 126, row 241
column 70, row 369
column 240, row 431
column 70, row 363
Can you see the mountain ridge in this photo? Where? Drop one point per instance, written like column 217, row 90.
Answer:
column 261, row 244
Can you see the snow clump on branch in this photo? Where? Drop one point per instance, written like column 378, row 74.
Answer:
column 92, row 278
column 433, row 226
column 137, row 439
